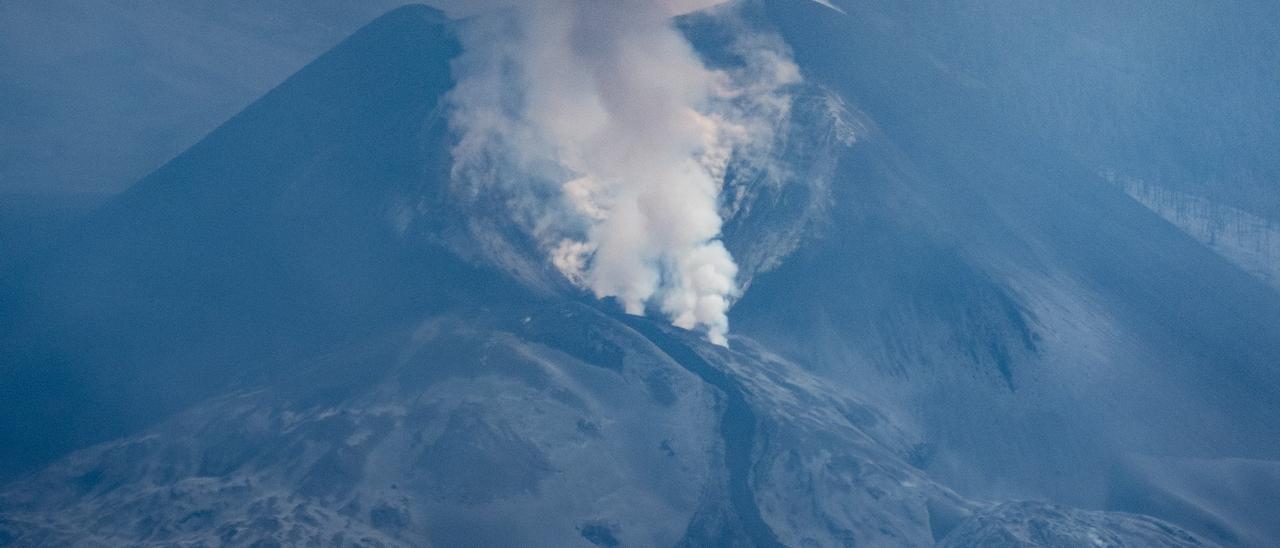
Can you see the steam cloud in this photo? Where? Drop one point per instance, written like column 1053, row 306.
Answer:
column 610, row 140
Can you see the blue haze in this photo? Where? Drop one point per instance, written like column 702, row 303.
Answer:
column 294, row 330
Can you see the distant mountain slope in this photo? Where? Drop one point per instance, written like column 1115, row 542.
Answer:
column 1248, row 241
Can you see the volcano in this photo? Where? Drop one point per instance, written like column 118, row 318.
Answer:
column 959, row 333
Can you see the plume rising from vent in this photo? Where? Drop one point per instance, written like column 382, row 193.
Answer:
column 609, row 140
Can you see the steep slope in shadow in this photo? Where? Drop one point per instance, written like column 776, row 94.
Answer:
column 274, row 236
column 1034, row 323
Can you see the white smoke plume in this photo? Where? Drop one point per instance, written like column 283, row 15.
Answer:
column 609, row 140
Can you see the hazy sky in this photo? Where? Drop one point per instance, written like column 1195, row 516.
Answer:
column 94, row 95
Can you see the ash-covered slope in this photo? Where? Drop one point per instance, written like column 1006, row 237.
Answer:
column 292, row 333
column 548, row 425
